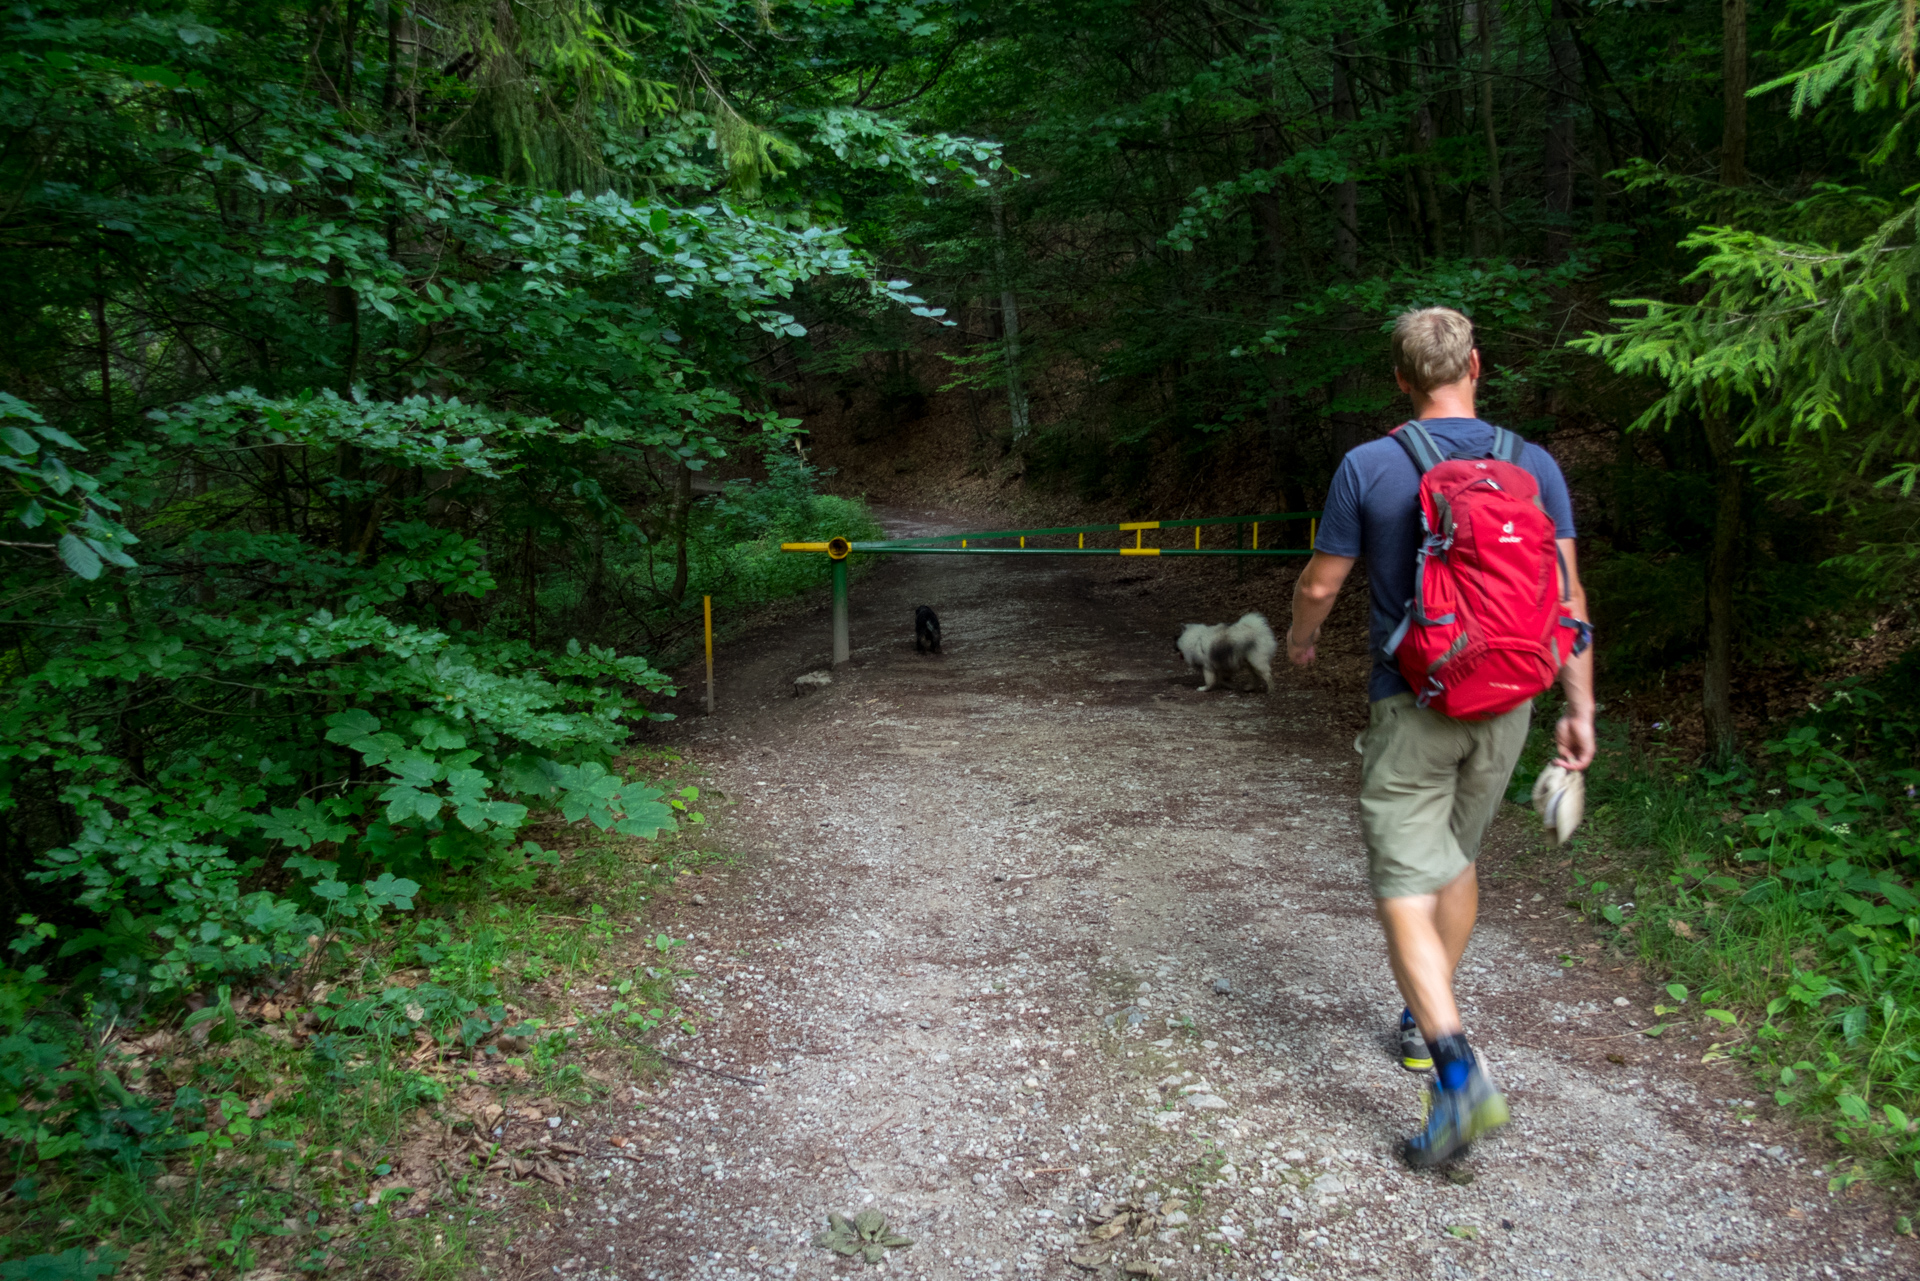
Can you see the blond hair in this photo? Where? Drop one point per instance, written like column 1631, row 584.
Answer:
column 1431, row 347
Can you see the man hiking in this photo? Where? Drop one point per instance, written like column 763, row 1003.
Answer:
column 1469, row 541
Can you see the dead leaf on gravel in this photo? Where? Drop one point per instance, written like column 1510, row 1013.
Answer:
column 1091, row 1262
column 1110, row 1229
column 1142, row 1268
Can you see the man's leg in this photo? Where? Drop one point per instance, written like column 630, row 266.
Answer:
column 1426, row 936
column 1427, row 783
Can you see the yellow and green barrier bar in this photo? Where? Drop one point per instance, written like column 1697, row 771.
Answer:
column 838, row 549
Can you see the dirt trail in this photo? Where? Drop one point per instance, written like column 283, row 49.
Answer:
column 969, row 959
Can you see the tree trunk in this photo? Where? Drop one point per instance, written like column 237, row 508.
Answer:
column 1282, row 450
column 682, row 511
column 103, row 338
column 343, row 305
column 1733, row 76
column 1426, row 131
column 1349, row 428
column 1483, row 11
column 390, row 86
column 1346, row 195
column 1009, row 321
column 1723, row 571
column 1558, row 155
column 526, row 572
column 1432, row 220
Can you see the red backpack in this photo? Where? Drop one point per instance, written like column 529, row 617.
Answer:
column 1482, row 633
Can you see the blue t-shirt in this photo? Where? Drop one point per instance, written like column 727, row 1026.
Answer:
column 1373, row 511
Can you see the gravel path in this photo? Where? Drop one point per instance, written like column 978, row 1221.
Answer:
column 1032, row 936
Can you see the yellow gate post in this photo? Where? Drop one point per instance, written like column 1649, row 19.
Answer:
column 707, row 606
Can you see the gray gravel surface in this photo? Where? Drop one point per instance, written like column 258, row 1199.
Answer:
column 972, row 958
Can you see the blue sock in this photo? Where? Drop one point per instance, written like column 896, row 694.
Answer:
column 1452, row 1060
column 1406, row 1018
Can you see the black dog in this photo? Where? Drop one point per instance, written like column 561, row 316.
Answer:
column 926, row 630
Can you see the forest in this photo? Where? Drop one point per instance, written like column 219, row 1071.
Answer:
column 383, row 383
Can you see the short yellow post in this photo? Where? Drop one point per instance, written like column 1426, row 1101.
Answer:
column 1023, row 540
column 1138, row 534
column 1196, row 538
column 707, row 606
column 1256, row 535
column 1083, row 540
column 1313, row 532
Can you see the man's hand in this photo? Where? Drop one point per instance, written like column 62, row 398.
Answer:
column 1301, row 654
column 1574, row 736
column 1313, row 596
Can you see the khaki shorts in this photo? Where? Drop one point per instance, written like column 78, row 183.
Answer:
column 1429, row 787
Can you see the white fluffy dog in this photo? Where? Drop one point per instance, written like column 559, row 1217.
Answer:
column 1224, row 650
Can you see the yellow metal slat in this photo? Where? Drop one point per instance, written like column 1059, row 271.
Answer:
column 803, row 547
column 1139, row 551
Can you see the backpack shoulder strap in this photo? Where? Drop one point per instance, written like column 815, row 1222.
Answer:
column 1506, row 446
column 1420, row 446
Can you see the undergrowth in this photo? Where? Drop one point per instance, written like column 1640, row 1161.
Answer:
column 336, row 1117
column 1781, row 897
column 733, row 555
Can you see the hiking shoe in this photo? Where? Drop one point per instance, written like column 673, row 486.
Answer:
column 1455, row 1118
column 1414, row 1054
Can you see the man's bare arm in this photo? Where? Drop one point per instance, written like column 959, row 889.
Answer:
column 1574, row 735
column 1313, row 595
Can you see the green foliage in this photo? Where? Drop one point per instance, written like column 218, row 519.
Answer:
column 257, row 1129
column 865, row 1236
column 462, row 404
column 1791, row 895
column 390, row 339
column 50, row 497
column 1795, row 325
